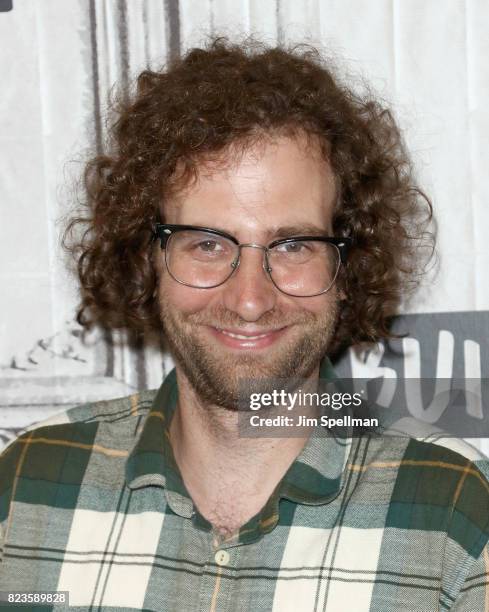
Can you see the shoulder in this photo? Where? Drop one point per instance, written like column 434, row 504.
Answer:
column 121, row 410
column 59, row 449
column 435, row 503
column 433, row 488
column 423, row 432
column 102, row 411
column 442, row 467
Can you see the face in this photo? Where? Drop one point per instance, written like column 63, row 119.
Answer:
column 246, row 328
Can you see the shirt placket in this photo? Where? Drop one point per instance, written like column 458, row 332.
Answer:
column 218, row 575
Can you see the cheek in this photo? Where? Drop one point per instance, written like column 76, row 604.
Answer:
column 175, row 295
column 322, row 305
column 184, row 299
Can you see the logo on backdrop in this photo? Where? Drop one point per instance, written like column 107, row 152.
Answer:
column 438, row 373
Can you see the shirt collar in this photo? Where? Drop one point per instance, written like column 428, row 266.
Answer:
column 315, row 477
column 151, row 461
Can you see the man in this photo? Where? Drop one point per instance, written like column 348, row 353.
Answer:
column 263, row 217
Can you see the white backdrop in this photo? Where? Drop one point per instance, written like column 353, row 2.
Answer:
column 60, row 57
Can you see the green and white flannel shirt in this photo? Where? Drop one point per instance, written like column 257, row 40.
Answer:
column 96, row 506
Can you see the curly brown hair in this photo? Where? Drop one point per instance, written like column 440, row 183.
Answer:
column 229, row 93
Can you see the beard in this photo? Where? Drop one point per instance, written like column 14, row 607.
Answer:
column 226, row 380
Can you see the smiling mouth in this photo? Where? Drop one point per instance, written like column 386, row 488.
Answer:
column 242, row 339
column 246, row 336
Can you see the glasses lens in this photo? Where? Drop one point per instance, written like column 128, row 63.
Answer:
column 304, row 267
column 200, row 259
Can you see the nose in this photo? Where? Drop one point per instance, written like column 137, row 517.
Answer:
column 249, row 292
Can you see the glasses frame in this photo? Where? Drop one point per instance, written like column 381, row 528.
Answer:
column 164, row 231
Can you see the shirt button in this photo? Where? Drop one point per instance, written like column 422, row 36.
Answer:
column 221, row 557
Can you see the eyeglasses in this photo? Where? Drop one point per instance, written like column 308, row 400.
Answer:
column 204, row 258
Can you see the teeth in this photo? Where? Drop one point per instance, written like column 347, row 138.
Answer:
column 240, row 337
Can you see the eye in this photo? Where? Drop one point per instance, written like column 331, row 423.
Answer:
column 293, row 247
column 209, row 246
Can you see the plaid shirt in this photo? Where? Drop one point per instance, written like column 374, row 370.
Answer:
column 96, row 506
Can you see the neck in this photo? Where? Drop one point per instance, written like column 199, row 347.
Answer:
column 218, row 465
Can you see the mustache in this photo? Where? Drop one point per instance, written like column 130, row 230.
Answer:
column 275, row 318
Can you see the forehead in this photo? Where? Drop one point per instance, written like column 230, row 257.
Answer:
column 275, row 182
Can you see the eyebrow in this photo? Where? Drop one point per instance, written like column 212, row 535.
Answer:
column 306, row 229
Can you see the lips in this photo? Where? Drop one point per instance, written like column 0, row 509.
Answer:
column 247, row 339
column 245, row 336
